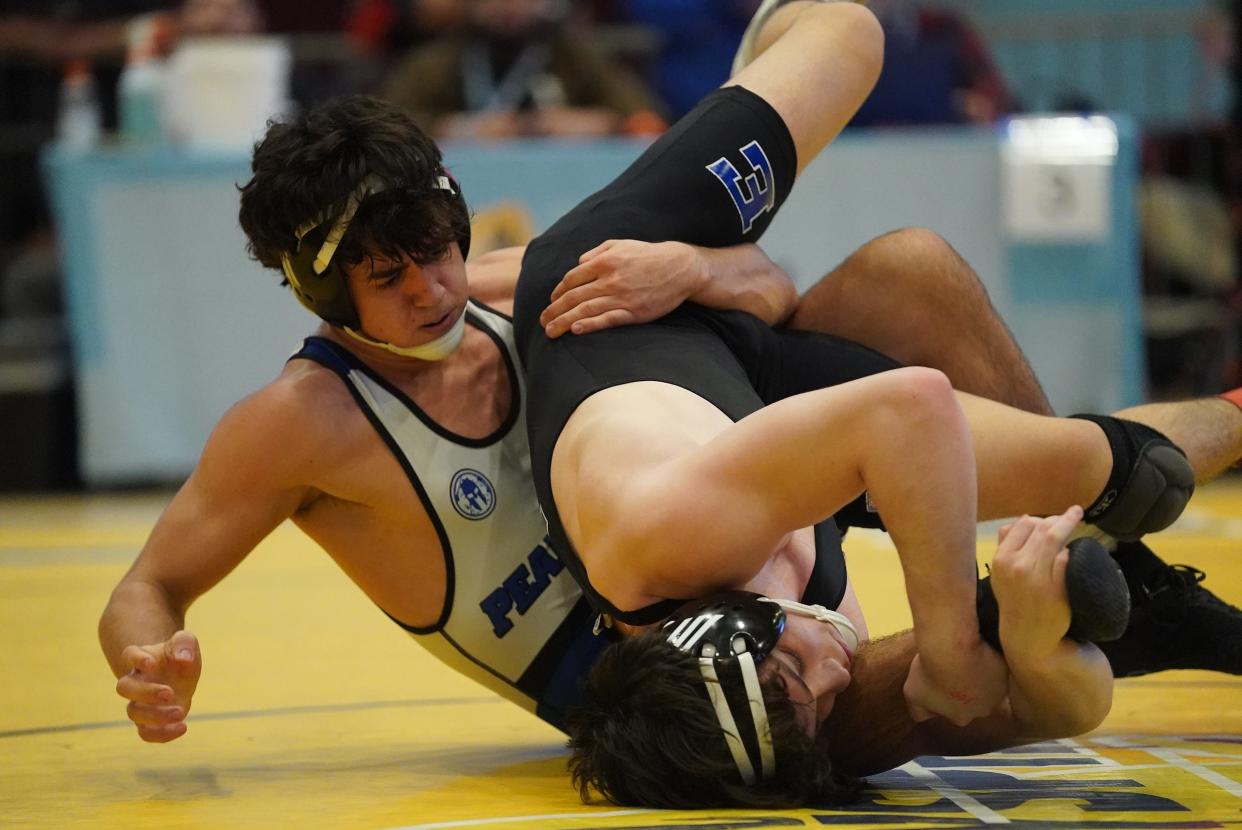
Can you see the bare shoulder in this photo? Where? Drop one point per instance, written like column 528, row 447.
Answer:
column 291, row 426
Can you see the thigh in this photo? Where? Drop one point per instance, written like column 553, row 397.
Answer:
column 715, row 179
column 802, row 361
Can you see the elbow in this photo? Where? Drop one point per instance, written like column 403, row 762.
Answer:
column 1097, row 700
column 1084, row 702
column 1076, row 719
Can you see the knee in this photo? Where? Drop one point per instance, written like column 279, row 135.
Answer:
column 918, row 398
column 920, row 262
column 860, row 25
column 917, row 254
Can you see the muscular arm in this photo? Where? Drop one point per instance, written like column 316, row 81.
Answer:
column 711, row 516
column 872, row 731
column 238, row 493
column 626, row 281
column 1057, row 687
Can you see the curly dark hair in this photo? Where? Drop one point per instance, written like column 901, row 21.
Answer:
column 647, row 735
column 306, row 168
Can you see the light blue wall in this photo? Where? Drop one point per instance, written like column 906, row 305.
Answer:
column 1139, row 57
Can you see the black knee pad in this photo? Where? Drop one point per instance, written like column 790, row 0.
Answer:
column 1150, row 484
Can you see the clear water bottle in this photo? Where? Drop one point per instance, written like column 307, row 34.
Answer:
column 79, row 118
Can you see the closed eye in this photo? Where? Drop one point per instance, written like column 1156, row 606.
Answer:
column 385, row 278
column 794, row 669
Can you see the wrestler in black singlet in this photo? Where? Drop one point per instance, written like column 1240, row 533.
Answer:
column 704, row 183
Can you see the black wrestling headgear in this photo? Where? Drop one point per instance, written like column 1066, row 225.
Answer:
column 318, row 282
column 732, row 633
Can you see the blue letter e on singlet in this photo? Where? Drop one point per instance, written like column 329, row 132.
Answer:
column 753, row 194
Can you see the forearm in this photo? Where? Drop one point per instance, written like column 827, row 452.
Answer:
column 1061, row 694
column 743, row 278
column 138, row 613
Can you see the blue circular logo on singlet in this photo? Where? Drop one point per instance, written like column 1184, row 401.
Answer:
column 473, row 495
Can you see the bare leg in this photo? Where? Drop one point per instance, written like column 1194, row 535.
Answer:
column 817, row 63
column 1208, row 430
column 909, row 295
column 1034, row 463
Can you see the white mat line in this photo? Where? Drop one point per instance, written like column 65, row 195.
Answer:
column 1227, row 784
column 1083, row 749
column 943, row 788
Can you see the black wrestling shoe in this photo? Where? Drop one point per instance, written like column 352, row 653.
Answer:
column 1176, row 623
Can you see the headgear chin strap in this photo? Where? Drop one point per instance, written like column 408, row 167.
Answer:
column 437, row 349
column 843, row 624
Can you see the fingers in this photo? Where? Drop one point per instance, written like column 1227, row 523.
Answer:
column 159, row 685
column 135, row 688
column 1062, row 526
column 182, row 649
column 1059, row 563
column 585, row 272
column 572, row 305
column 154, row 716
column 607, row 320
column 152, row 708
column 596, row 251
column 162, row 734
column 140, row 659
column 1017, row 534
column 570, row 318
column 1050, row 532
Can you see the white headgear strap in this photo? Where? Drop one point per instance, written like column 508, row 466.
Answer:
column 839, row 621
column 437, row 349
column 758, row 712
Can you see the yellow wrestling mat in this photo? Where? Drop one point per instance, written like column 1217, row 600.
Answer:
column 315, row 711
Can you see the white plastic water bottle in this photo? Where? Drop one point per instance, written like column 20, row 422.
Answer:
column 140, row 89
column 79, row 117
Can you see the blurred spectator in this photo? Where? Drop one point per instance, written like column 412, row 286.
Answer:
column 37, row 40
column 516, row 70
column 218, row 17
column 305, row 16
column 387, row 27
column 937, row 70
column 699, row 38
